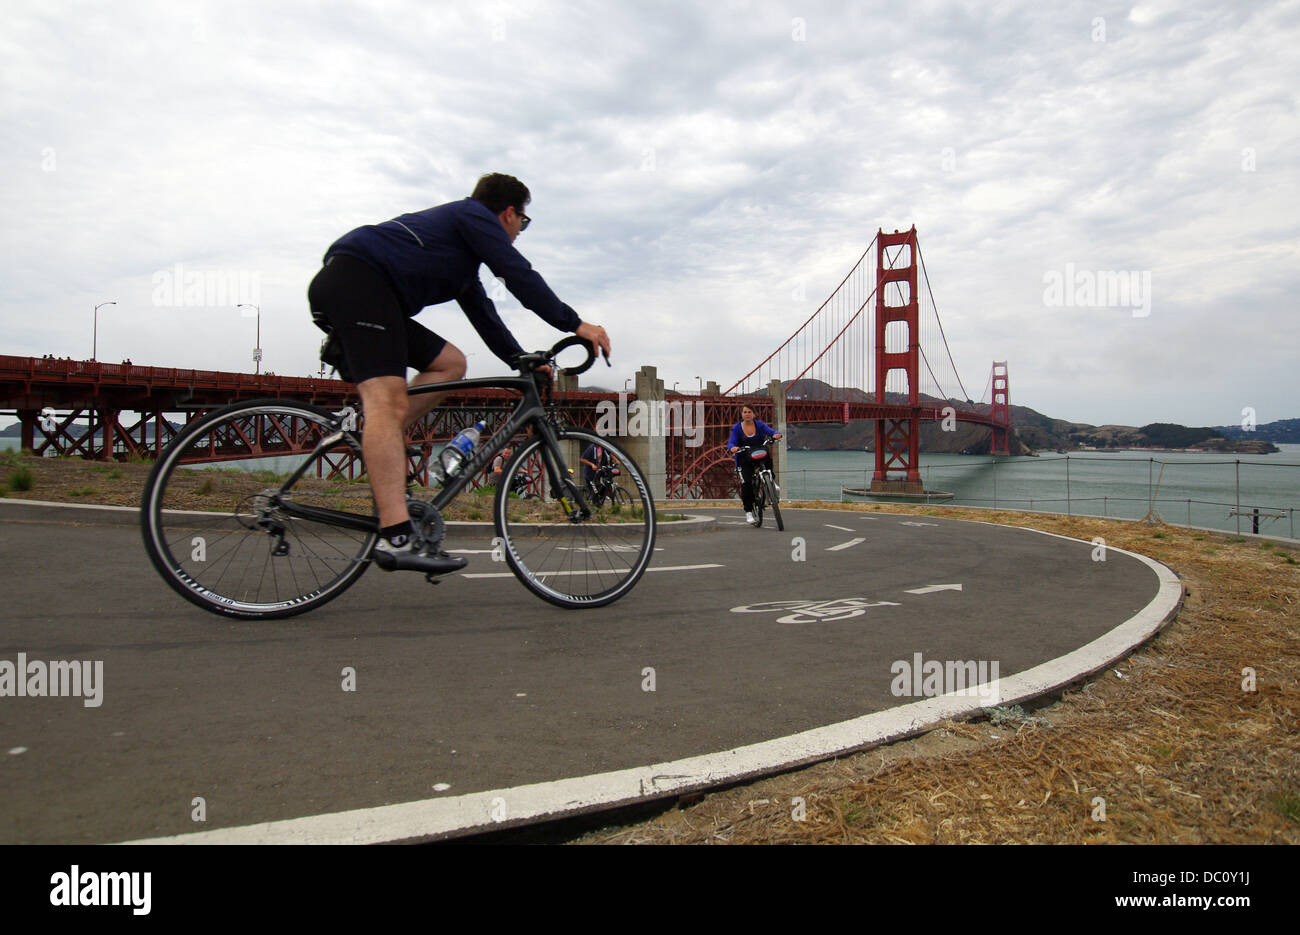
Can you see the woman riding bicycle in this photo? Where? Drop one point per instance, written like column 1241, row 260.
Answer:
column 747, row 434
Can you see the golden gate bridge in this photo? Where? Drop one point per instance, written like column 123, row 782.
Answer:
column 874, row 350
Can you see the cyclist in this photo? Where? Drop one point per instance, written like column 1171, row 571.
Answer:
column 747, row 434
column 595, row 459
column 499, row 466
column 376, row 278
column 519, row 483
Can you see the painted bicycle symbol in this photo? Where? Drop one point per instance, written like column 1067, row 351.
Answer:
column 813, row 611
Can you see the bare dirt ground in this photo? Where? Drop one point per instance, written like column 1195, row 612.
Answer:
column 1194, row 738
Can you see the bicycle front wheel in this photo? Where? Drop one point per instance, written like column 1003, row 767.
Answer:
column 760, row 498
column 770, row 487
column 214, row 520
column 587, row 563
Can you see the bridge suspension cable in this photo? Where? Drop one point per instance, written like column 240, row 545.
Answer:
column 935, row 306
column 796, row 355
column 831, row 354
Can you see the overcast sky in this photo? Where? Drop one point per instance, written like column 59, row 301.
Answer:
column 691, row 165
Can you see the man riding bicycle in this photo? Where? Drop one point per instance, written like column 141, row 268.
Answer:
column 376, row 278
column 597, row 466
column 747, row 434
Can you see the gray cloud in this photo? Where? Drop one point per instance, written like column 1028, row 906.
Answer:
column 690, row 164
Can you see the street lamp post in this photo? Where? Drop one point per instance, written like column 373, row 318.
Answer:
column 257, row 347
column 701, row 379
column 94, row 337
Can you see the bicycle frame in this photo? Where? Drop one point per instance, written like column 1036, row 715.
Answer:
column 529, row 411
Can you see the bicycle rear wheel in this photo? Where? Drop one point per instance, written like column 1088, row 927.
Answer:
column 212, row 525
column 586, row 563
column 770, row 487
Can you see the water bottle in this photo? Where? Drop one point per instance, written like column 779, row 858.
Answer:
column 457, row 451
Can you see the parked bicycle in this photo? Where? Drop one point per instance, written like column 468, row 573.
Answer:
column 247, row 512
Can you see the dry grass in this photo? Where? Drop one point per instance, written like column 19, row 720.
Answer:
column 1167, row 743
column 75, row 480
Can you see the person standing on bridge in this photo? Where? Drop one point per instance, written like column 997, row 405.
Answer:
column 376, row 278
column 747, row 434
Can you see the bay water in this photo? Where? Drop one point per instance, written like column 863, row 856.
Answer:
column 1190, row 488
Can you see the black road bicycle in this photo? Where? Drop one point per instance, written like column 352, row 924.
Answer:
column 245, row 513
column 766, row 492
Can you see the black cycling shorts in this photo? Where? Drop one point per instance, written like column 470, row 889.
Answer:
column 354, row 301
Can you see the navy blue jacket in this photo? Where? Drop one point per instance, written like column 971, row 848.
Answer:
column 433, row 256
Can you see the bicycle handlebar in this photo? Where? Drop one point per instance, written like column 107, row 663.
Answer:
column 527, row 363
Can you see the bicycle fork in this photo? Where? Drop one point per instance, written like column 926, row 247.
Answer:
column 568, row 492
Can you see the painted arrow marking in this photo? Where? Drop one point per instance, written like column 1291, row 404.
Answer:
column 909, row 523
column 930, row 589
column 846, row 545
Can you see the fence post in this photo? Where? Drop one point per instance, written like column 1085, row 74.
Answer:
column 995, row 483
column 1238, row 509
column 1068, row 510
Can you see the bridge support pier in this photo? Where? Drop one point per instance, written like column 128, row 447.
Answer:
column 648, row 449
column 27, row 419
column 776, row 390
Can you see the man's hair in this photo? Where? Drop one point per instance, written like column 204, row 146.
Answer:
column 499, row 192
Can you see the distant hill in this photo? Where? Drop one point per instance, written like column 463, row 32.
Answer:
column 1281, row 432
column 1031, row 430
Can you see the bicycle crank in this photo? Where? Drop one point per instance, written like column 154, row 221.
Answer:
column 426, row 525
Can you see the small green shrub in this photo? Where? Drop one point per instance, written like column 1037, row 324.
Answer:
column 22, row 479
column 1288, row 805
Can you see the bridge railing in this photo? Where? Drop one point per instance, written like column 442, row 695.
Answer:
column 66, row 370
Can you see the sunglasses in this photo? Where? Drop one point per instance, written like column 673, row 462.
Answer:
column 525, row 219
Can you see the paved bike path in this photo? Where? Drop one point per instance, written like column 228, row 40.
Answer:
column 408, row 710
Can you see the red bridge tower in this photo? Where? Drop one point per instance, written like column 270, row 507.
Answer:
column 897, row 440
